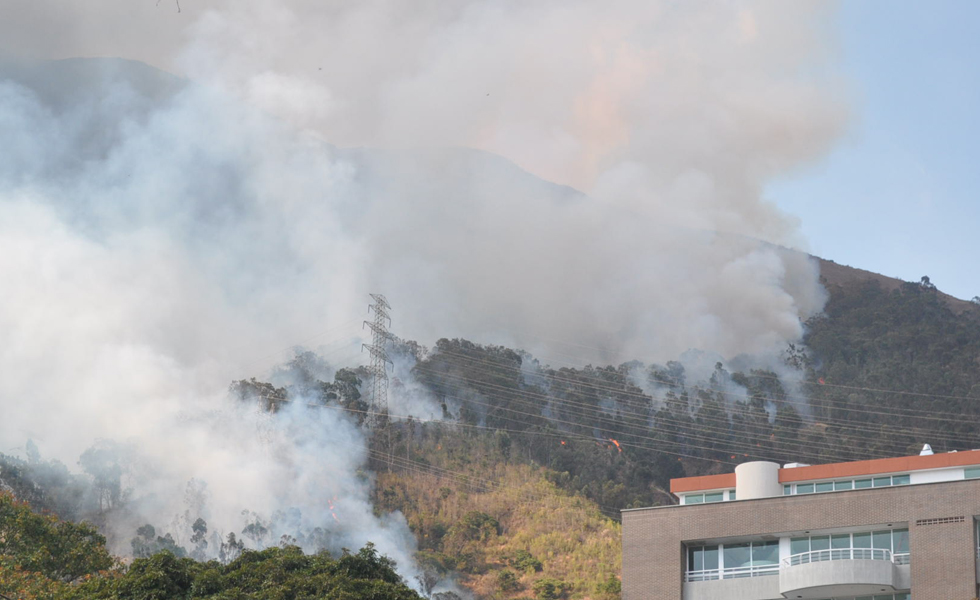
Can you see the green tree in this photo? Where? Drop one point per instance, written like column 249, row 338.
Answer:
column 59, row 550
column 549, row 589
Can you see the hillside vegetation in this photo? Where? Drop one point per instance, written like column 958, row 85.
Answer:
column 517, row 491
column 506, row 529
column 42, row 558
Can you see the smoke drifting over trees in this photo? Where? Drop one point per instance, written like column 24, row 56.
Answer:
column 161, row 237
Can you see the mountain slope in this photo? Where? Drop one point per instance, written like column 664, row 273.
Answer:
column 834, row 276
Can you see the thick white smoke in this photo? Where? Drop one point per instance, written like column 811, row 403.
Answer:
column 160, row 238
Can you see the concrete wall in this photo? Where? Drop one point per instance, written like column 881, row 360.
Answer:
column 747, row 588
column 757, row 479
column 934, row 476
column 838, row 578
column 943, row 563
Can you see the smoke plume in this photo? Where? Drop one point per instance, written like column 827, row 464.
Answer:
column 537, row 174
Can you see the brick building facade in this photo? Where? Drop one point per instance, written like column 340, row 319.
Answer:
column 892, row 529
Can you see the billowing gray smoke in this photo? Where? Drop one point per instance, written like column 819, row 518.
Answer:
column 160, row 238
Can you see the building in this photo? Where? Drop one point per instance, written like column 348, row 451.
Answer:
column 887, row 529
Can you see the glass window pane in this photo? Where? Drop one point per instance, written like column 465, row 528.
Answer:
column 714, row 497
column 900, row 541
column 804, row 488
column 884, row 597
column 787, row 490
column 695, row 559
column 731, row 494
column 862, row 540
column 825, row 486
column 882, row 540
column 737, row 555
column 694, row 499
column 841, row 540
column 843, row 485
column 862, row 483
column 971, row 473
column 765, row 553
column 882, row 481
column 710, row 558
column 900, row 479
column 820, row 542
column 902, row 596
column 799, row 545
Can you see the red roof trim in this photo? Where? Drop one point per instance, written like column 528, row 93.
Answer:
column 880, row 465
column 858, row 468
column 705, row 482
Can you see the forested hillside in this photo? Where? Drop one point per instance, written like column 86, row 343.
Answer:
column 46, row 559
column 515, row 489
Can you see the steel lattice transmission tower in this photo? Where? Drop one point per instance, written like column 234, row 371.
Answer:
column 379, row 359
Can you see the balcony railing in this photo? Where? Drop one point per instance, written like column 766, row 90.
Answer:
column 803, row 558
column 813, row 556
column 732, row 573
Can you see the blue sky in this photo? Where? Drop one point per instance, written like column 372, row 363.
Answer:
column 900, row 195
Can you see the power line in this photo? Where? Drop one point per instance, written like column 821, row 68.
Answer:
column 827, row 385
column 645, row 418
column 803, row 401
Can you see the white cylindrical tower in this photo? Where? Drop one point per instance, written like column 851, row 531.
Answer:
column 757, row 479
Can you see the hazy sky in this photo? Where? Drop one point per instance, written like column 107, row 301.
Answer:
column 896, row 196
column 899, row 195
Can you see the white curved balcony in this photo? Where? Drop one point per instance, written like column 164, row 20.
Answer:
column 841, row 572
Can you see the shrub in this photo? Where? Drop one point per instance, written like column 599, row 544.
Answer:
column 609, row 587
column 525, row 561
column 549, row 589
column 507, row 581
column 476, row 525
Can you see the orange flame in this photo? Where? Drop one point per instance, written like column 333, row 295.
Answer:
column 617, row 444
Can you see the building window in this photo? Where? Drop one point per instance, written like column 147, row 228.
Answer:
column 705, row 498
column 737, row 556
column 900, row 541
column 971, row 473
column 765, row 554
column 848, row 484
column 887, row 544
column 732, row 561
column 702, row 563
column 731, row 494
column 799, row 545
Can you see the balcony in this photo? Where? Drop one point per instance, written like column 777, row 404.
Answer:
column 843, row 572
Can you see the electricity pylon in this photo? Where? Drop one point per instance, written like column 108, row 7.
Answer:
column 378, row 415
